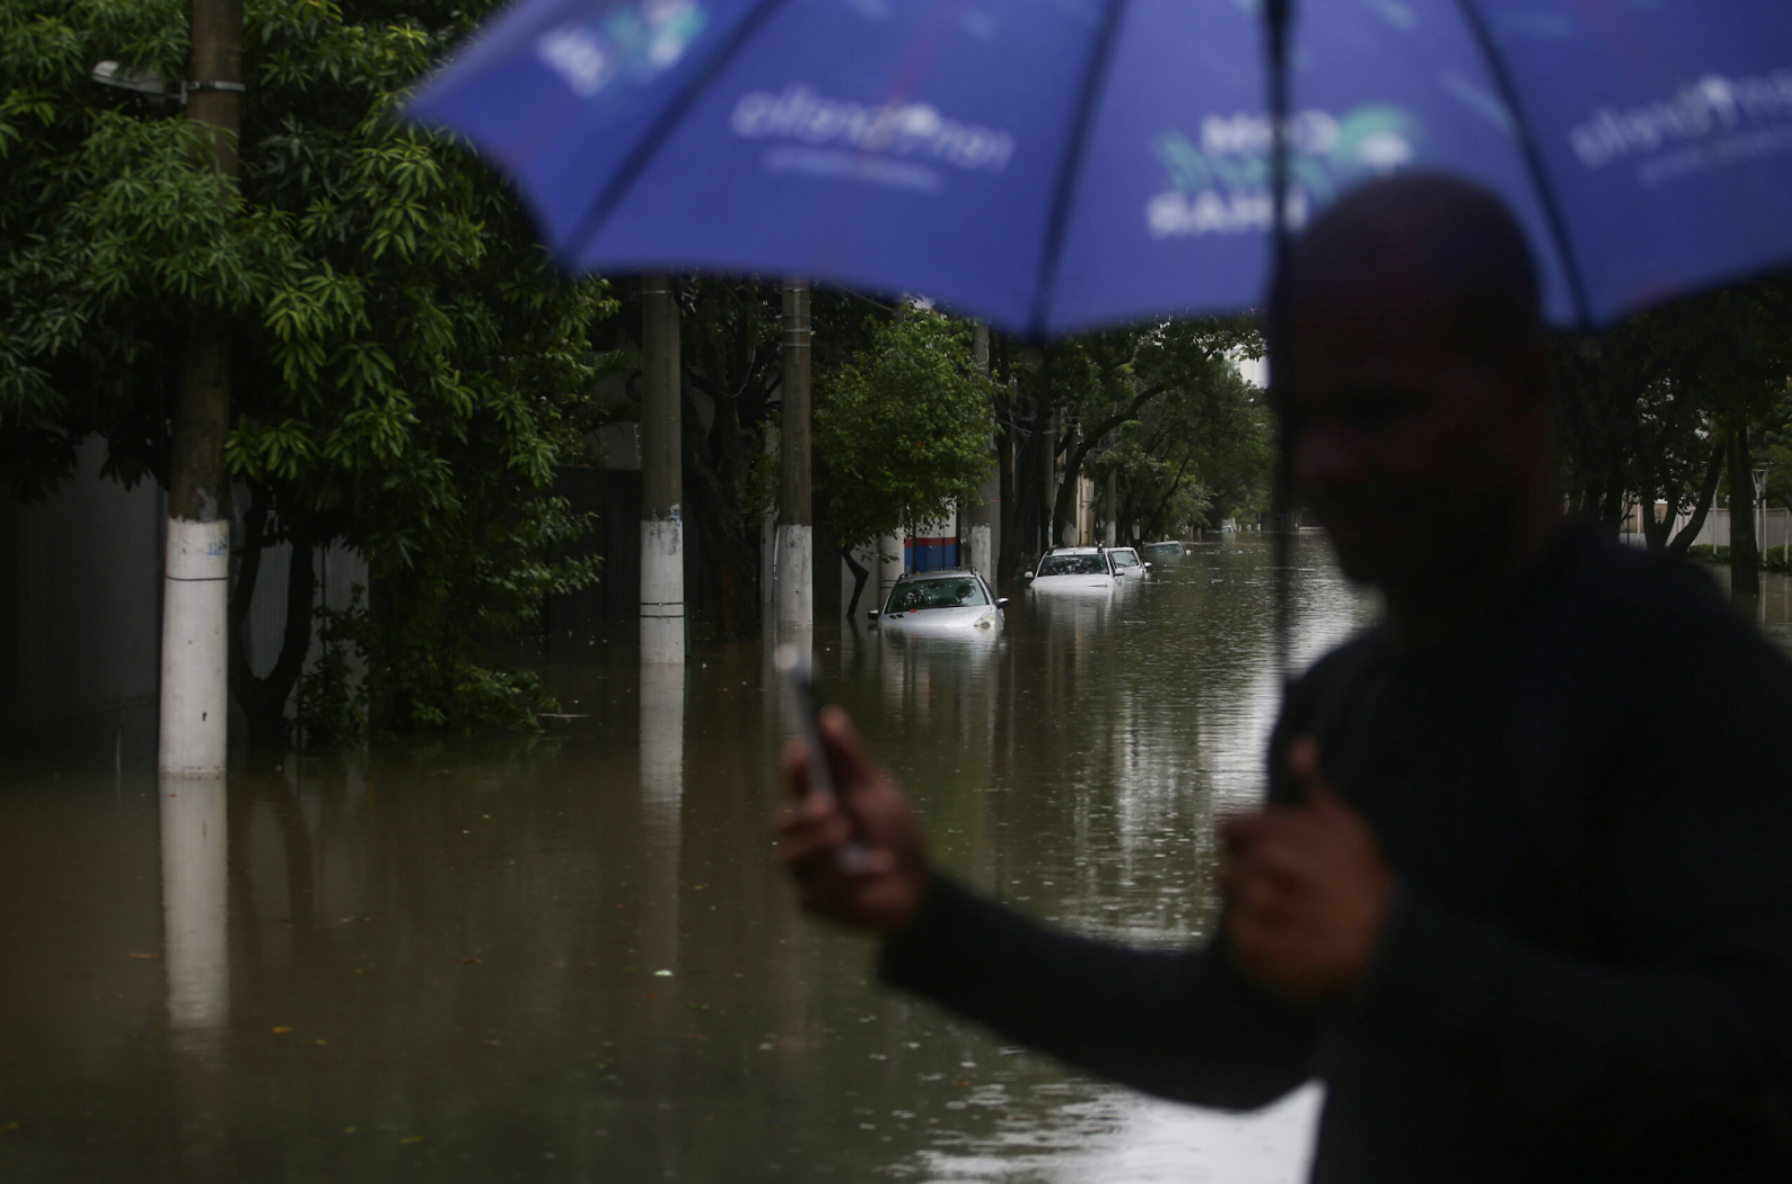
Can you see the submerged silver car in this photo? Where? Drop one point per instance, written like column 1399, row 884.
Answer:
column 955, row 599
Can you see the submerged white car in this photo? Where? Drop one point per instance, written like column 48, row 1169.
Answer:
column 931, row 600
column 1127, row 563
column 1074, row 569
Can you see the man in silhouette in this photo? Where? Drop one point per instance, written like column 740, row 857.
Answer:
column 1519, row 931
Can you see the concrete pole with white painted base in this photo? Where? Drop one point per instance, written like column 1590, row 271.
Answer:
column 195, row 696
column 662, row 482
column 795, row 539
column 983, row 514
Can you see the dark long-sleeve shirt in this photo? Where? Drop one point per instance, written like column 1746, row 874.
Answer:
column 1587, row 974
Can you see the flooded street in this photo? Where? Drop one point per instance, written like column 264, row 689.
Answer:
column 575, row 957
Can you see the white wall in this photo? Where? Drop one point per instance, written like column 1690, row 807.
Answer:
column 1775, row 531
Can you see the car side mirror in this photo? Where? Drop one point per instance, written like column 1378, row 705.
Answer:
column 1026, row 575
column 873, row 615
column 1001, row 602
column 1147, row 564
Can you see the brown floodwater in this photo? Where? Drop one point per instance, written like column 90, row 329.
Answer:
column 575, row 958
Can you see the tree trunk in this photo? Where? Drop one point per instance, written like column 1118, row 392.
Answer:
column 1611, row 504
column 1151, row 520
column 859, row 575
column 264, row 699
column 1745, row 563
column 1045, row 457
column 1064, row 505
column 1701, row 508
column 733, row 558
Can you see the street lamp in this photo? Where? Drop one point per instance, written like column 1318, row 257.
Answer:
column 152, row 85
column 142, row 82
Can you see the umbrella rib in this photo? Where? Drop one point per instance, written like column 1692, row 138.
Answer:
column 648, row 146
column 1073, row 160
column 1533, row 160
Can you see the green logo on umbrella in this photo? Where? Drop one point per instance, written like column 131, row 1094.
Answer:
column 635, row 42
column 1219, row 184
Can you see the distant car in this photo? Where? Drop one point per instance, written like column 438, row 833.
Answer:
column 929, row 600
column 1127, row 563
column 1164, row 547
column 1074, row 569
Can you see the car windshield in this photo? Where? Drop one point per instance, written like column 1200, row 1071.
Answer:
column 1073, row 565
column 1124, row 557
column 950, row 592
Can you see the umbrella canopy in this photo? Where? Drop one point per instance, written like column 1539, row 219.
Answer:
column 1056, row 165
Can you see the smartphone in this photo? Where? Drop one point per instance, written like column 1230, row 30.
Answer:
column 803, row 698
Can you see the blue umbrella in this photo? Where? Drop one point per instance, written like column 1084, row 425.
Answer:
column 1057, row 165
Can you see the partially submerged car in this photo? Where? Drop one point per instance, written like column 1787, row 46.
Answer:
column 1127, row 563
column 929, row 600
column 1074, row 569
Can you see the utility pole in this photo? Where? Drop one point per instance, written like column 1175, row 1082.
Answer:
column 195, row 695
column 983, row 515
column 795, row 540
column 662, row 484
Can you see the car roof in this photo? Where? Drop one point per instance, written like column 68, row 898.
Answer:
column 941, row 574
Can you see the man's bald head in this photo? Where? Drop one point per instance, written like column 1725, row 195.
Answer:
column 1413, row 390
column 1422, row 243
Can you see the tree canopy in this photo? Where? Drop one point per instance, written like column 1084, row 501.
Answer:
column 905, row 426
column 408, row 367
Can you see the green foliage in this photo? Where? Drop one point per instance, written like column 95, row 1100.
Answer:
column 1162, row 407
column 905, row 425
column 457, row 591
column 408, row 368
column 759, row 490
column 1202, row 451
column 332, row 703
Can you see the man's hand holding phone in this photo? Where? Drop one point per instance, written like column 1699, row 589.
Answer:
column 856, row 853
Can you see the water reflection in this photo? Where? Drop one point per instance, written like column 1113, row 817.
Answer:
column 442, row 958
column 195, row 903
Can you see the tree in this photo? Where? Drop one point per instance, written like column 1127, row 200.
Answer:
column 1068, row 400
column 1202, row 452
column 410, row 368
column 904, row 425
column 1662, row 404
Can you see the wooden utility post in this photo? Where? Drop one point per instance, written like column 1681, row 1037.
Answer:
column 195, row 697
column 795, row 539
column 662, row 477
